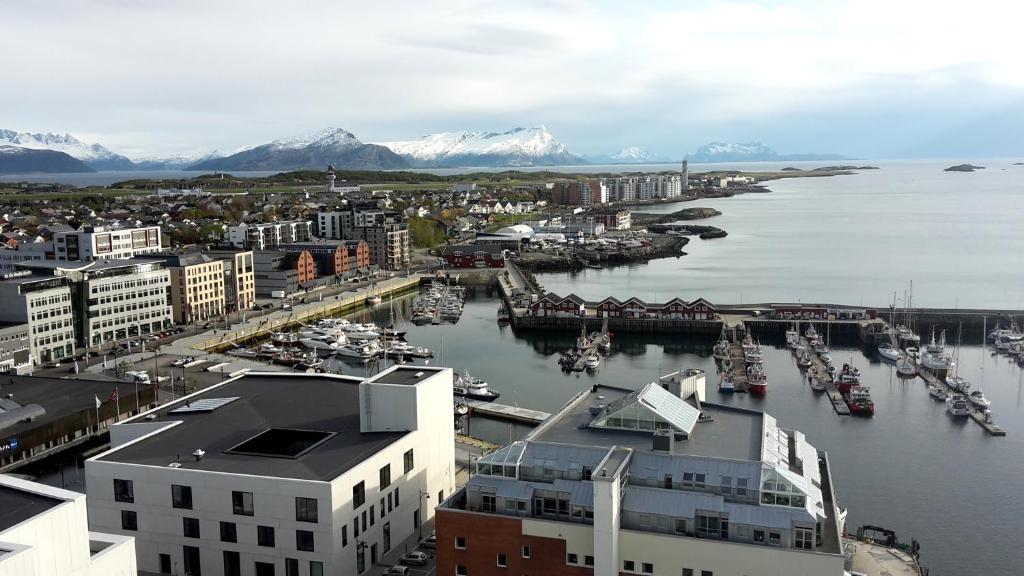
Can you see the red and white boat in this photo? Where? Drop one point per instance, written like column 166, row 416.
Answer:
column 859, row 400
column 757, row 381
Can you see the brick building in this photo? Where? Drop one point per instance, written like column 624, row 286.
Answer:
column 358, row 254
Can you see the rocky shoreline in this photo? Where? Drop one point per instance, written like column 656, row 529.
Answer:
column 662, row 246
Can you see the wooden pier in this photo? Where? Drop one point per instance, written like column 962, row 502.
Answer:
column 838, row 404
column 739, row 367
column 977, row 415
column 596, row 339
column 506, row 412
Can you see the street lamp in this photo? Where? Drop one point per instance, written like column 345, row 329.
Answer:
column 423, row 495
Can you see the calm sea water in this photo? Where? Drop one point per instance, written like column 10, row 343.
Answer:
column 912, row 467
column 846, row 240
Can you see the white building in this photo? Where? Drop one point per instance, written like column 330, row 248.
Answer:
column 98, row 243
column 270, row 234
column 44, row 531
column 651, row 481
column 304, row 474
column 44, row 302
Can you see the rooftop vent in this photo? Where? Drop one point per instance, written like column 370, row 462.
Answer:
column 198, row 454
column 281, row 443
column 664, row 440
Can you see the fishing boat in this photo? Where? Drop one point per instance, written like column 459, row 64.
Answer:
column 592, row 362
column 286, row 358
column 721, row 349
column 753, row 354
column 957, row 405
column 935, row 356
column 726, row 385
column 888, row 352
column 977, row 397
column 849, row 377
column 913, row 351
column 936, row 392
column 727, row 365
column 503, row 316
column 803, row 361
column 859, row 401
column 818, row 383
column 757, row 380
column 469, row 386
column 792, row 337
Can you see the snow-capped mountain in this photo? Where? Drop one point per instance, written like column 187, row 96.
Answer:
column 175, row 162
column 94, row 155
column 630, row 155
column 311, row 151
column 517, row 147
column 20, row 160
column 750, row 152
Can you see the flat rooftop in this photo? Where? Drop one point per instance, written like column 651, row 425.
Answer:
column 292, row 402
column 730, row 433
column 61, row 397
column 16, row 506
column 406, row 375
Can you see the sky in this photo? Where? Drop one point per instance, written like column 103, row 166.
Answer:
column 864, row 78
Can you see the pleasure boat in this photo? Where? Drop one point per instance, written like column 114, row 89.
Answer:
column 825, row 357
column 503, row 316
column 359, row 350
column 285, row 339
column 322, row 342
column 913, row 352
column 356, row 331
column 461, row 408
column 592, row 362
column 957, row 405
column 818, row 383
column 267, row 350
column 286, row 358
column 757, row 381
column 406, row 349
column 906, row 334
column 977, row 397
column 726, row 384
column 958, row 383
column 310, row 361
column 374, row 299
column 888, row 352
column 336, row 336
column 859, row 401
column 473, row 387
column 936, row 392
column 905, row 366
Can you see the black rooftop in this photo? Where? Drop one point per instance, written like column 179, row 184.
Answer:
column 62, row 397
column 294, row 402
column 16, row 506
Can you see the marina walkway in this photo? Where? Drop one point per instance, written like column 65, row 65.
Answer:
column 739, row 367
column 838, row 404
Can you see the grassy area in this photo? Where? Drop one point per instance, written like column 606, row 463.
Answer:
column 19, row 196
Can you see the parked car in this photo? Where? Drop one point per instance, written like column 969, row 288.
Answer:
column 415, row 558
column 397, row 571
column 430, row 541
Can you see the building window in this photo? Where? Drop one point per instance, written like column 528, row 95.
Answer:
column 460, row 542
column 572, row 559
column 192, row 565
column 408, row 461
column 698, row 480
column 241, row 503
column 264, row 569
column 396, row 496
column 129, row 520
column 390, row 503
column 588, row 560
column 371, row 515
column 628, row 565
column 774, row 538
column 461, row 570
column 291, row 567
column 526, row 551
column 165, row 563
column 360, row 560
column 687, row 571
column 265, row 536
column 741, row 486
column 647, row 568
column 385, row 476
column 488, row 503
column 304, row 540
column 344, row 536
column 315, row 568
column 305, row 510
column 190, row 527
column 364, row 520
column 124, row 491
column 228, row 532
column 804, row 538
column 502, row 561
column 232, row 563
column 358, row 495
column 181, row 497
column 707, row 573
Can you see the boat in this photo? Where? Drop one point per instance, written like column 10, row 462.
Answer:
column 592, row 362
column 888, row 352
column 905, row 366
column 913, row 351
column 285, row 339
column 859, row 401
column 936, row 392
column 286, row 358
column 977, row 397
column 757, row 380
column 469, row 386
column 803, row 361
column 726, row 384
column 335, row 335
column 849, row 377
column 721, row 350
column 461, row 408
column 359, row 350
column 753, row 355
column 818, row 383
column 957, row 405
column 935, row 356
column 373, row 299
column 356, row 331
column 267, row 350
column 958, row 384
column 503, row 315
column 727, row 365
column 405, row 349
column 322, row 342
column 792, row 337
column 310, row 361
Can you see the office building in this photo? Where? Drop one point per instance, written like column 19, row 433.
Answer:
column 283, row 473
column 44, row 531
column 269, row 235
column 15, row 351
column 648, row 481
column 278, row 271
column 43, row 302
column 197, row 285
column 100, row 243
column 239, row 278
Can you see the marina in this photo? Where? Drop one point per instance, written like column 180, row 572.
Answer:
column 979, row 416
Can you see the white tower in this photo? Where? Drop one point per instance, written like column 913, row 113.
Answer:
column 329, row 184
column 686, row 175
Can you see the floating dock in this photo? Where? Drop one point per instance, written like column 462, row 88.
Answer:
column 506, row 412
column 739, row 367
column 596, row 339
column 977, row 415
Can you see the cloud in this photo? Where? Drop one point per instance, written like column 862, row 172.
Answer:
column 174, row 76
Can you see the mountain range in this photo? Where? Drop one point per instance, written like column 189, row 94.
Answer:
column 329, row 146
column 630, row 155
column 517, row 147
column 750, row 152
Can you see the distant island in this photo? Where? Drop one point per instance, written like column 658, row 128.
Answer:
column 1018, row 163
column 830, row 168
column 964, row 168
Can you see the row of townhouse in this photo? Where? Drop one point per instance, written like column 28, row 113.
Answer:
column 499, row 207
column 572, row 305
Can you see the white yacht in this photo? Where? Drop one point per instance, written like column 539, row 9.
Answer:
column 977, row 397
column 356, row 331
column 360, row 350
column 957, row 405
column 958, row 383
column 905, row 366
column 473, row 387
column 321, row 342
column 888, row 352
column 936, row 392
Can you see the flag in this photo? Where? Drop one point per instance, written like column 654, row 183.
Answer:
column 97, row 400
column 113, row 395
column 76, row 366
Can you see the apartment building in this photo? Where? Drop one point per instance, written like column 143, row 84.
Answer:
column 386, row 233
column 279, row 473
column 15, row 349
column 197, row 285
column 358, row 254
column 330, row 256
column 586, row 193
column 280, row 271
column 100, row 243
column 239, row 278
column 43, row 302
column 269, row 235
column 648, row 481
column 44, row 531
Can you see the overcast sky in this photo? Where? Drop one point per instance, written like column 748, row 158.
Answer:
column 866, row 78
